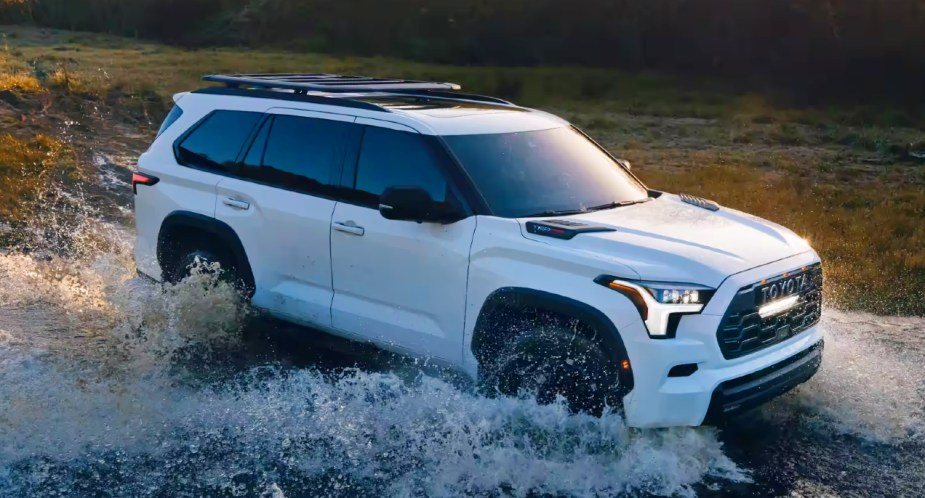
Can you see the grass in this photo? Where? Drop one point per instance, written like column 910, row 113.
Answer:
column 28, row 167
column 846, row 178
column 18, row 82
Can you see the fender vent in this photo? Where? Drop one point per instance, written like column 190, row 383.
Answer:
column 564, row 229
column 699, row 202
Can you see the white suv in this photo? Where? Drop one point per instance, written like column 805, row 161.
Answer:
column 491, row 238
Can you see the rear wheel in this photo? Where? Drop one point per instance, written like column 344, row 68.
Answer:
column 551, row 361
column 197, row 257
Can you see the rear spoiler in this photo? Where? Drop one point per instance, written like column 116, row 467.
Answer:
column 178, row 96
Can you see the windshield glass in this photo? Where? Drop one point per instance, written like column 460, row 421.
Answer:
column 542, row 173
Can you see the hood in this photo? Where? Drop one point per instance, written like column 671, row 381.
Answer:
column 667, row 239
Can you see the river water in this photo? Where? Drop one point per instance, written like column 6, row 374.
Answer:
column 110, row 386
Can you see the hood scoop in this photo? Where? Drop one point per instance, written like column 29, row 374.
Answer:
column 699, row 202
column 564, row 229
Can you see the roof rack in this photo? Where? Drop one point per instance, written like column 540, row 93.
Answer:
column 297, row 97
column 332, row 83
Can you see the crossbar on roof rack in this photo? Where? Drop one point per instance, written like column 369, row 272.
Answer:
column 334, row 83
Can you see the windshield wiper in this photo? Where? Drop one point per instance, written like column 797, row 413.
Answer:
column 563, row 212
column 616, row 204
column 569, row 212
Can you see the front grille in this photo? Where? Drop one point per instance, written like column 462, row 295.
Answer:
column 742, row 330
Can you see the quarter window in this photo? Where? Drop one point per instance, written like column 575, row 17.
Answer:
column 215, row 143
column 391, row 158
column 171, row 118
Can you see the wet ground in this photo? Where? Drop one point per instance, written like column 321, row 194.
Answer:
column 111, row 386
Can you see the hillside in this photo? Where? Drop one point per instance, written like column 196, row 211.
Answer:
column 816, row 51
column 76, row 108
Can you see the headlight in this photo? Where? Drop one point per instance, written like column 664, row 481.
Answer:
column 661, row 304
column 671, row 293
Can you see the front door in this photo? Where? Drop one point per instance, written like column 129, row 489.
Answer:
column 401, row 284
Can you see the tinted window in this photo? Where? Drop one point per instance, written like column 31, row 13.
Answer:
column 171, row 118
column 534, row 172
column 216, row 141
column 391, row 158
column 254, row 156
column 300, row 153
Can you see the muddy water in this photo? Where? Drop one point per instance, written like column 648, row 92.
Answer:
column 110, row 386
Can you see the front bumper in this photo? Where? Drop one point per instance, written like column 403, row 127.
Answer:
column 738, row 395
column 658, row 400
column 719, row 386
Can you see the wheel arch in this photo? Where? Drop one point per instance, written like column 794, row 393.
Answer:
column 180, row 224
column 506, row 300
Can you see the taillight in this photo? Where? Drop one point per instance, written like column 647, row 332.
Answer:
column 142, row 179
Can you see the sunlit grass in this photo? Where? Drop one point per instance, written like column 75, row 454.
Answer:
column 27, row 168
column 18, row 82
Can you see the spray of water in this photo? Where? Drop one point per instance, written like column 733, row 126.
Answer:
column 101, row 390
column 872, row 382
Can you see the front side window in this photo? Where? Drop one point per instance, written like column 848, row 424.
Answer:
column 540, row 173
column 391, row 158
column 215, row 143
column 297, row 153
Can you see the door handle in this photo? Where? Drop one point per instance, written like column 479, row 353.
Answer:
column 349, row 227
column 236, row 203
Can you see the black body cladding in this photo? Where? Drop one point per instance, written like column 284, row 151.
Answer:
column 499, row 306
column 177, row 229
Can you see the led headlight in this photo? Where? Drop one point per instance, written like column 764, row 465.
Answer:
column 657, row 302
column 671, row 293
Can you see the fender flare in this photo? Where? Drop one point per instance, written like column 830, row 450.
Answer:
column 604, row 331
column 206, row 226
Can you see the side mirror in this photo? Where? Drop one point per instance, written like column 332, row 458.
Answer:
column 415, row 204
column 407, row 204
column 626, row 164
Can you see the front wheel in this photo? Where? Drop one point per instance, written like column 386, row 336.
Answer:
column 548, row 362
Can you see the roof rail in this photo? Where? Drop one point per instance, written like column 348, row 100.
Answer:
column 332, row 83
column 436, row 94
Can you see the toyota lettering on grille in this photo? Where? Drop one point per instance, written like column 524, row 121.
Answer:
column 785, row 287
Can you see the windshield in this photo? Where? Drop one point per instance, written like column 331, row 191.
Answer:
column 543, row 173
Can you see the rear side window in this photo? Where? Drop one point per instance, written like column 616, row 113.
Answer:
column 215, row 142
column 298, row 153
column 391, row 158
column 171, row 118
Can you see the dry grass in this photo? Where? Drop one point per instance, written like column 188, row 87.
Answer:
column 841, row 177
column 18, row 82
column 27, row 168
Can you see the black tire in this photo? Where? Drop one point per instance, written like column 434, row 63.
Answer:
column 548, row 361
column 192, row 255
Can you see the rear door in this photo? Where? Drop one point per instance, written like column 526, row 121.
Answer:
column 188, row 172
column 401, row 284
column 280, row 203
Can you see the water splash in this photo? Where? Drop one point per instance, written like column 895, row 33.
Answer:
column 103, row 389
column 872, row 381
